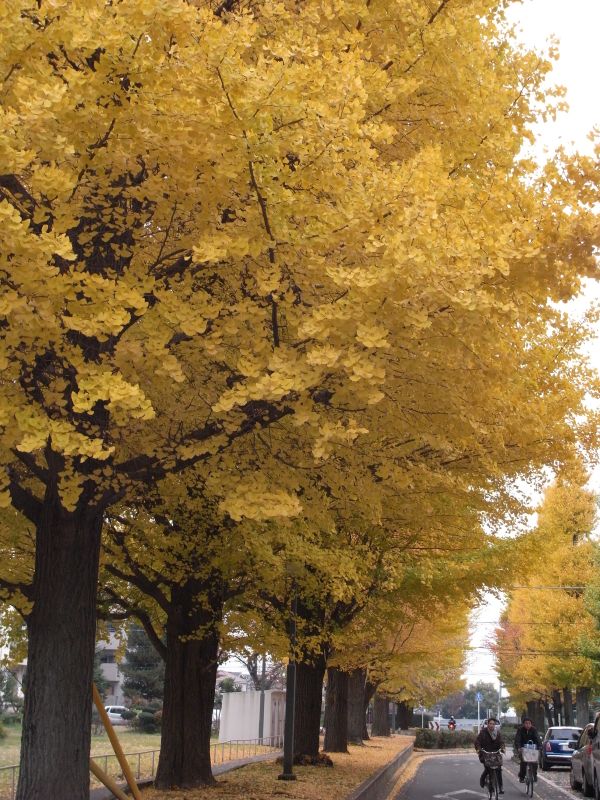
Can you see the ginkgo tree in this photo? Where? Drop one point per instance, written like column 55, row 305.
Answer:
column 393, row 637
column 217, row 218
column 165, row 233
column 180, row 565
column 541, row 643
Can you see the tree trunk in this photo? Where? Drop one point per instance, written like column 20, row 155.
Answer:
column 336, row 711
column 582, row 700
column 405, row 715
column 307, row 718
column 568, row 706
column 370, row 689
column 535, row 711
column 557, row 703
column 356, row 705
column 381, row 721
column 548, row 712
column 190, row 678
column 55, row 742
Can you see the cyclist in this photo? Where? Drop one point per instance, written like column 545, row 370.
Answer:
column 451, row 723
column 526, row 734
column 490, row 739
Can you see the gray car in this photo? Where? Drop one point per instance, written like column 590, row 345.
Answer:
column 582, row 774
column 596, row 757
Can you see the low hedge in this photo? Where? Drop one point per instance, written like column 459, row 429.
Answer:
column 427, row 739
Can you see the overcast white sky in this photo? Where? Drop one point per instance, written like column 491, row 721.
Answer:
column 576, row 23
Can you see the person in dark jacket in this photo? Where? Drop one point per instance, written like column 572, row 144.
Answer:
column 490, row 739
column 526, row 734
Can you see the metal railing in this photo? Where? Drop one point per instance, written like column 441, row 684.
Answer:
column 145, row 762
column 244, row 748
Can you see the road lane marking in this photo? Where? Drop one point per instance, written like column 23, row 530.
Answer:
column 516, row 781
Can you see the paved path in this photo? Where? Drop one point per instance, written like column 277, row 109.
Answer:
column 456, row 777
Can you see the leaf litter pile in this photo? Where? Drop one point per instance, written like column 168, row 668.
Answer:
column 259, row 781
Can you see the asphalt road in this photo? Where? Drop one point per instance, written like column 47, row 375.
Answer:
column 456, row 777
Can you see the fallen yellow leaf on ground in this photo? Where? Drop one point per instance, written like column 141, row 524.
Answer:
column 259, row 781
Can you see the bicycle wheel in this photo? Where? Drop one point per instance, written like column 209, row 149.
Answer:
column 529, row 781
column 493, row 784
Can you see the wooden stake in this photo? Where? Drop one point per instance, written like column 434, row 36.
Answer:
column 116, row 744
column 107, row 781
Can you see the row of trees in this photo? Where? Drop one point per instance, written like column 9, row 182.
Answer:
column 281, row 328
column 547, row 643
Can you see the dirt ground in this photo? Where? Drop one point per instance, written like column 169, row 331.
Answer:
column 259, row 781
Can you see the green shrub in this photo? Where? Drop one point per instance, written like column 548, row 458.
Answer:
column 443, row 740
column 148, row 721
column 2, row 731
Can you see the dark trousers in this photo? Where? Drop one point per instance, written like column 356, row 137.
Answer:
column 523, row 770
column 486, row 771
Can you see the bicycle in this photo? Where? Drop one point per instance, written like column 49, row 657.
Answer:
column 529, row 754
column 492, row 760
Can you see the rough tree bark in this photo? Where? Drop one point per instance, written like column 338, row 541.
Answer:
column 582, row 700
column 568, row 706
column 307, row 718
column 558, row 709
column 356, row 705
column 536, row 712
column 381, row 721
column 336, row 714
column 370, row 689
column 405, row 715
column 190, row 678
column 55, row 741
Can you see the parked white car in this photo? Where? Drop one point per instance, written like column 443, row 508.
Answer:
column 115, row 714
column 582, row 769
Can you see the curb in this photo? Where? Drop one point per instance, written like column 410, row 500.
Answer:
column 439, row 751
column 219, row 769
column 379, row 785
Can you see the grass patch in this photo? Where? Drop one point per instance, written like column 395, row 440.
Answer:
column 10, row 746
column 131, row 741
column 259, row 781
column 140, row 749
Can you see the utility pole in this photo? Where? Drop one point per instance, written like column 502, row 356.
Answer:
column 261, row 708
column 290, row 699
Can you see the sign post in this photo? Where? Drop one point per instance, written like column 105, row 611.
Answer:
column 479, row 698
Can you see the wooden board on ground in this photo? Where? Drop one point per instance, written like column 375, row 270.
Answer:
column 259, row 781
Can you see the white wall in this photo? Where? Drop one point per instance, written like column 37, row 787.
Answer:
column 240, row 715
